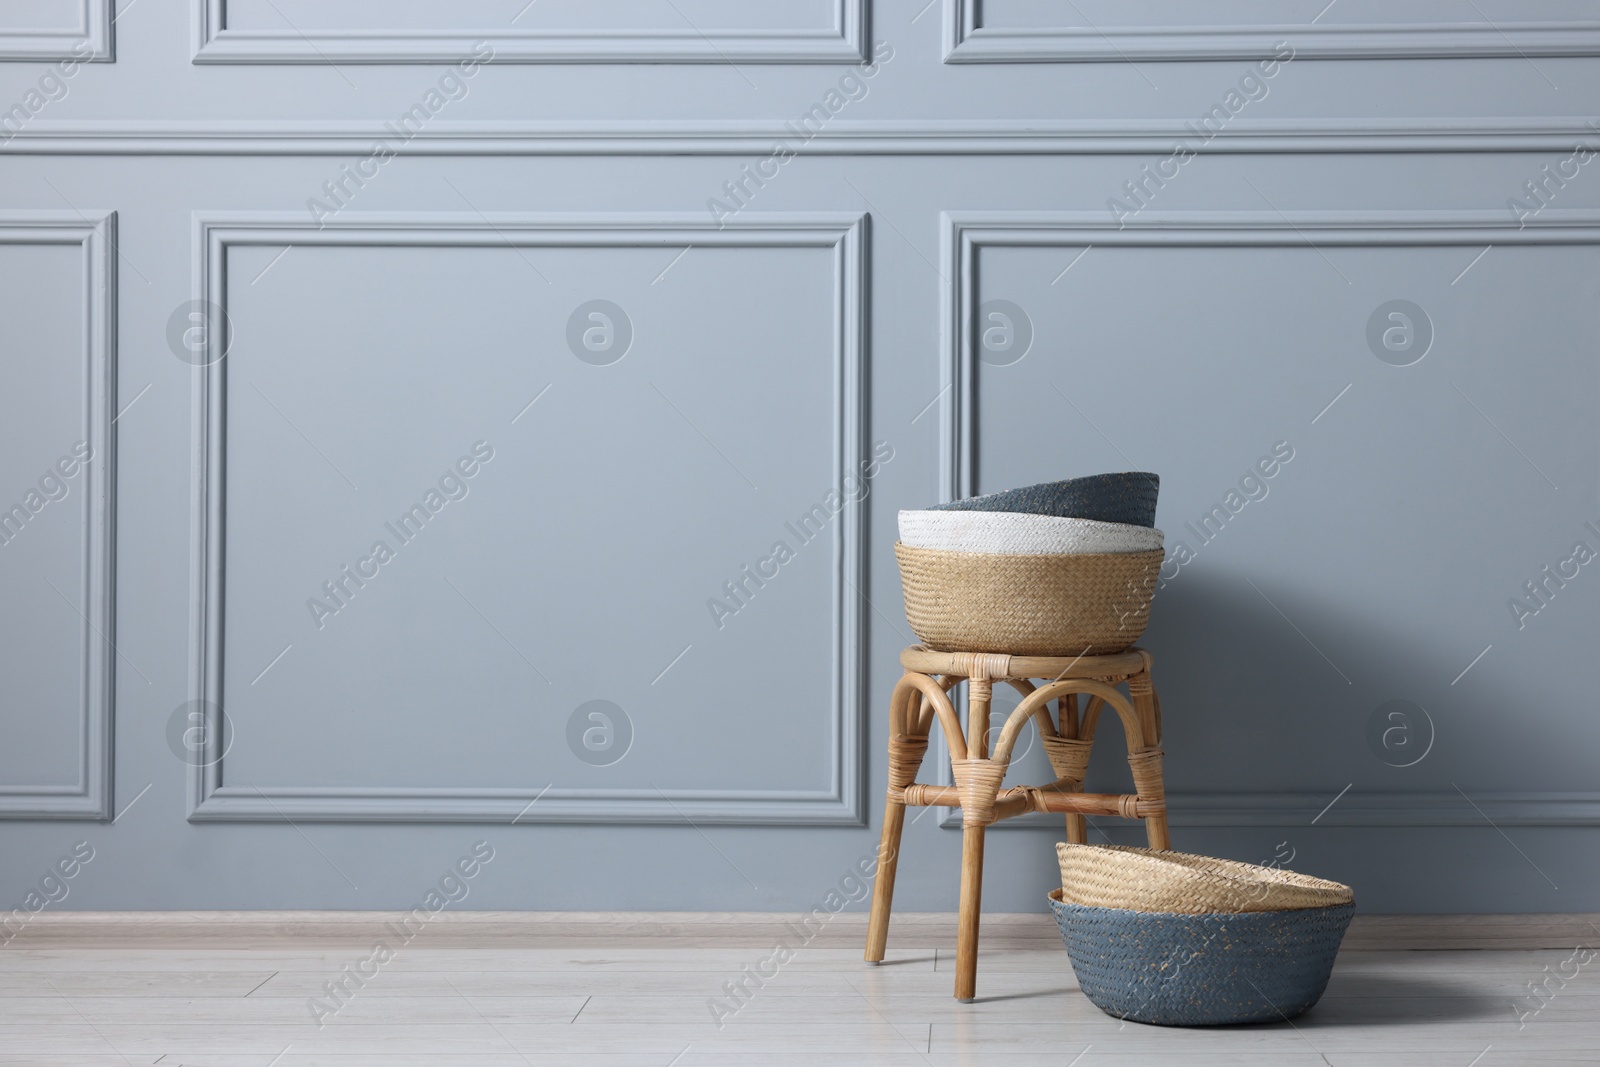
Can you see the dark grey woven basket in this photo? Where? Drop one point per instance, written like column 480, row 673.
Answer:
column 1128, row 497
column 1202, row 970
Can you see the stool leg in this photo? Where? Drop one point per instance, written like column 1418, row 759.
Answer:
column 1155, row 828
column 894, row 820
column 1145, row 762
column 971, row 906
column 1077, row 825
column 908, row 742
column 979, row 692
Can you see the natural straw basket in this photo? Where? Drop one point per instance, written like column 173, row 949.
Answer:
column 1142, row 879
column 1086, row 604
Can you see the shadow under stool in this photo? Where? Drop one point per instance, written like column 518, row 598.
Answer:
column 923, row 694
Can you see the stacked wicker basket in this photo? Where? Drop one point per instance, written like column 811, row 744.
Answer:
column 1060, row 569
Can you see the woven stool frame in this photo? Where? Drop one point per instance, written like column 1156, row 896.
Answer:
column 922, row 696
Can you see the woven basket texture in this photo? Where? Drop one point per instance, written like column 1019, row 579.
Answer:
column 1011, row 533
column 1202, row 970
column 1089, row 604
column 1142, row 879
column 1127, row 497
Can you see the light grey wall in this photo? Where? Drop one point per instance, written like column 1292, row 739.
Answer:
column 352, row 350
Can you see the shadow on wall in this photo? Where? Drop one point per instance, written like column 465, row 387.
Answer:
column 1265, row 689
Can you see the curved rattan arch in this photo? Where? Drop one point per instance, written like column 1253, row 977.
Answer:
column 1040, row 698
column 934, row 695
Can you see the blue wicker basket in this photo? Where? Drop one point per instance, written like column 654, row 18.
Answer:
column 1128, row 497
column 1202, row 970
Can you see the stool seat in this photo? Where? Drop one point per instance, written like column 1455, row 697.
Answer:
column 923, row 695
column 924, row 660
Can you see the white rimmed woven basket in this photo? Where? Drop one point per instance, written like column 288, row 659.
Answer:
column 1007, row 533
column 1142, row 879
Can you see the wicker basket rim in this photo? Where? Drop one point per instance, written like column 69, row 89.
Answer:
column 1235, row 869
column 1055, row 896
column 1032, row 559
column 1187, row 874
column 1021, row 518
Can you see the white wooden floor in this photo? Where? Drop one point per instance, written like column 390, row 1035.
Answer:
column 645, row 1002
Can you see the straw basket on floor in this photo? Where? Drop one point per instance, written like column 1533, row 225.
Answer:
column 1181, row 940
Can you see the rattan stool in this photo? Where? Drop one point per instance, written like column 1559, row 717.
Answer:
column 923, row 693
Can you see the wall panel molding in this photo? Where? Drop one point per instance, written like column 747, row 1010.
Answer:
column 963, row 233
column 840, row 802
column 841, row 137
column 91, row 796
column 88, row 41
column 843, row 42
column 966, row 40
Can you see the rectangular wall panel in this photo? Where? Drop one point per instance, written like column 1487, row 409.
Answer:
column 57, row 391
column 1126, row 341
column 460, row 679
column 513, row 31
column 1039, row 31
column 37, row 31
